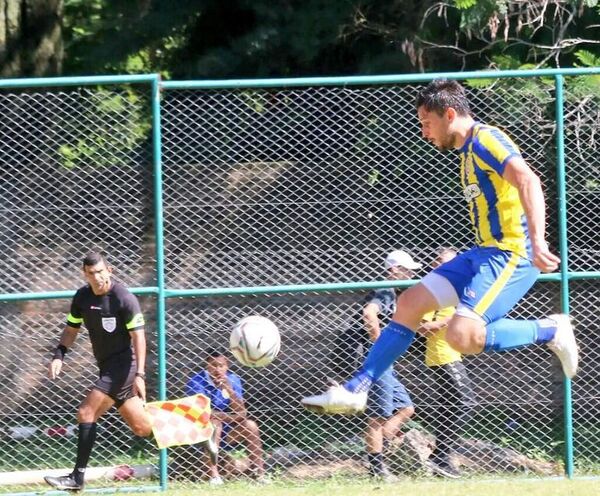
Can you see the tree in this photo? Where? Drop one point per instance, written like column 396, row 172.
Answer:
column 31, row 37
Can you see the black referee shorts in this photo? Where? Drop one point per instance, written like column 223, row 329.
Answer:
column 116, row 380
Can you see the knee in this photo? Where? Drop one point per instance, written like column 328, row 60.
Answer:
column 251, row 427
column 466, row 336
column 85, row 414
column 142, row 429
column 408, row 412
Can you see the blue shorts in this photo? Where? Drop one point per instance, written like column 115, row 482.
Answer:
column 386, row 396
column 489, row 281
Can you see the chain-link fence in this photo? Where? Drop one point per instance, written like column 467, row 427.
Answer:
column 277, row 187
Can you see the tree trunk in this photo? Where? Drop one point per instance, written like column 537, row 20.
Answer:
column 31, row 38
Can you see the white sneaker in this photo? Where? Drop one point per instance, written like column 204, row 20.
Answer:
column 337, row 399
column 563, row 344
column 216, row 481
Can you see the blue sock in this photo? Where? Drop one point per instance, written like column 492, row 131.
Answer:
column 508, row 334
column 393, row 342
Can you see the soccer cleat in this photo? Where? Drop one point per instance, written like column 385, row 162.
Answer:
column 336, row 400
column 443, row 468
column 563, row 344
column 65, row 482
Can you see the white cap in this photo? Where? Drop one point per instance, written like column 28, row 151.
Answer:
column 402, row 259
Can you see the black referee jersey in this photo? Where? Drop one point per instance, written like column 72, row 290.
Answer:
column 108, row 318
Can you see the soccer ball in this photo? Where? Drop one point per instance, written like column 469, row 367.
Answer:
column 255, row 341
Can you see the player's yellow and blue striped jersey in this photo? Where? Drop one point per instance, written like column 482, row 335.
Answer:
column 495, row 209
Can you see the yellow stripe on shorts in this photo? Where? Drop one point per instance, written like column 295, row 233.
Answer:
column 498, row 286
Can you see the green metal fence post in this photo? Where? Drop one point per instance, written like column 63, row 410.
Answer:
column 564, row 269
column 160, row 261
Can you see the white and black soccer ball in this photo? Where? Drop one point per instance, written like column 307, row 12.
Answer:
column 255, row 341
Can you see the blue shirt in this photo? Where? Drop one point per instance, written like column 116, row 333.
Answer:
column 202, row 383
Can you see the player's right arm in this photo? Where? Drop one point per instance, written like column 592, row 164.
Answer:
column 371, row 320
column 528, row 183
column 67, row 338
column 66, row 341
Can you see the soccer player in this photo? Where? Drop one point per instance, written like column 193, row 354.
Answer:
column 228, row 414
column 507, row 211
column 115, row 324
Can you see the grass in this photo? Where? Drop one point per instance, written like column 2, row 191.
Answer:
column 340, row 486
column 553, row 487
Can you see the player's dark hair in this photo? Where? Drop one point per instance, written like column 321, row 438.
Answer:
column 214, row 353
column 441, row 94
column 94, row 258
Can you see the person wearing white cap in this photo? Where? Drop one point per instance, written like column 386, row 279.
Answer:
column 399, row 259
column 507, row 212
column 389, row 405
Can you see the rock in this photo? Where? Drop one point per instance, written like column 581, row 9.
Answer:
column 483, row 456
column 409, row 453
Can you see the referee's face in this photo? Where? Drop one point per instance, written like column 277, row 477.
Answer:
column 98, row 277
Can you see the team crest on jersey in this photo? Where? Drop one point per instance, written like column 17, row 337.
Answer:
column 472, row 191
column 109, row 324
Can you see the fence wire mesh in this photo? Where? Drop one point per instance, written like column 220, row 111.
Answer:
column 278, row 187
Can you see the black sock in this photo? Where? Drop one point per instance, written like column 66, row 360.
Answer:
column 375, row 463
column 85, row 443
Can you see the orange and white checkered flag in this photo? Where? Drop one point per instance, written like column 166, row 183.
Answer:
column 182, row 421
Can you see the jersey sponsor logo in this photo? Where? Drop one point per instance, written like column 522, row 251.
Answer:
column 93, row 307
column 472, row 191
column 109, row 324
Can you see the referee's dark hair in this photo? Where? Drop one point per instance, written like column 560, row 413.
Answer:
column 214, row 353
column 94, row 258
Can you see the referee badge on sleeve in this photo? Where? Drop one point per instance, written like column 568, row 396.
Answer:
column 109, row 324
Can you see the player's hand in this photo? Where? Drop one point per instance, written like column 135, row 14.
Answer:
column 428, row 329
column 543, row 258
column 54, row 368
column 139, row 388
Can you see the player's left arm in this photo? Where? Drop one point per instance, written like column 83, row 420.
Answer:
column 138, row 342
column 518, row 173
column 134, row 322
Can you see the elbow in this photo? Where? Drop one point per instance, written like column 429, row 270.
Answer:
column 529, row 182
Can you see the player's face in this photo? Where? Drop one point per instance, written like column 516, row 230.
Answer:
column 399, row 273
column 442, row 259
column 217, row 368
column 98, row 277
column 436, row 128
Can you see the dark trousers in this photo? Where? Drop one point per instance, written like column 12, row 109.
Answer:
column 455, row 400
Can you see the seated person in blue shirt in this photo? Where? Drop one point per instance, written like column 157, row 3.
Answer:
column 228, row 412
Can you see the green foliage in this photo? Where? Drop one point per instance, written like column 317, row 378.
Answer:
column 109, row 125
column 587, row 58
column 464, row 4
column 260, row 38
